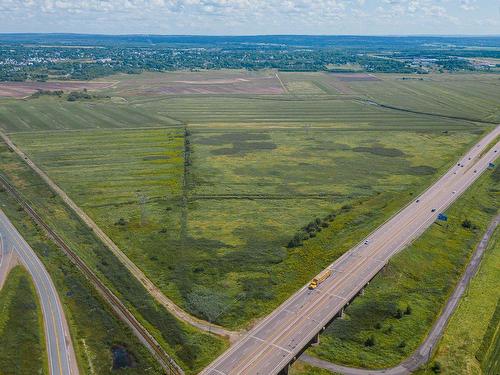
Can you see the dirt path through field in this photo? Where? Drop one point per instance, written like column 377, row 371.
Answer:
column 153, row 290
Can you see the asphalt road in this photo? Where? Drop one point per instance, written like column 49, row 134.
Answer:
column 280, row 337
column 61, row 356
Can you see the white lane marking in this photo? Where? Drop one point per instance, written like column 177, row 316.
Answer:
column 35, row 266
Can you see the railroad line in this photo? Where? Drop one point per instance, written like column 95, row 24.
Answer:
column 167, row 362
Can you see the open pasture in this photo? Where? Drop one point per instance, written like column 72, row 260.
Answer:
column 24, row 89
column 213, row 236
column 474, row 96
column 205, row 82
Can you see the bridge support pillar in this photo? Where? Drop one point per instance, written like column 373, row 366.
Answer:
column 285, row 370
column 341, row 314
column 315, row 340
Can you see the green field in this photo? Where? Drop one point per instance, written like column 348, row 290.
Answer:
column 418, row 282
column 207, row 212
column 95, row 330
column 22, row 340
column 471, row 345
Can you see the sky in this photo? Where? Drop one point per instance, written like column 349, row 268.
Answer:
column 251, row 17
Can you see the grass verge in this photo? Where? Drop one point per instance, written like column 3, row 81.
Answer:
column 471, row 345
column 22, row 339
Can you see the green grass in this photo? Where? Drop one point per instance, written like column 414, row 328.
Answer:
column 469, row 95
column 22, row 339
column 300, row 368
column 47, row 113
column 422, row 277
column 471, row 342
column 191, row 349
column 222, row 254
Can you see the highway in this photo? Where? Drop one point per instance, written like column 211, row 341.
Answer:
column 280, row 337
column 61, row 356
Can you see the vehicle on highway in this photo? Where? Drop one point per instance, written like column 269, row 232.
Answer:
column 418, row 200
column 433, row 210
column 366, row 242
column 319, row 279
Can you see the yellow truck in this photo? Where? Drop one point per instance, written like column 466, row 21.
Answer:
column 320, row 278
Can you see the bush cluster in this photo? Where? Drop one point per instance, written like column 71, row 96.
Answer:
column 310, row 230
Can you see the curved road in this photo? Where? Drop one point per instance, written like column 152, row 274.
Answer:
column 61, row 356
column 423, row 353
column 279, row 338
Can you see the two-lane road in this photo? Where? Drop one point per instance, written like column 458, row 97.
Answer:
column 280, row 337
column 61, row 356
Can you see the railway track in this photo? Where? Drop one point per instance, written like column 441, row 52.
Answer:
column 118, row 307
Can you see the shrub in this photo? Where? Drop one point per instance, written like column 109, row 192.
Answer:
column 408, row 310
column 121, row 221
column 467, row 224
column 370, row 341
column 399, row 314
column 436, row 368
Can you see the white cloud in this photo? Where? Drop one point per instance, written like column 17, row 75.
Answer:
column 246, row 16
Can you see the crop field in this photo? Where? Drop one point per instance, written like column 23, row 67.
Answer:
column 385, row 325
column 24, row 89
column 21, row 328
column 207, row 82
column 469, row 96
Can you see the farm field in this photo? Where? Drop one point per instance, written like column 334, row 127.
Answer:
column 206, row 82
column 452, row 95
column 208, row 208
column 21, row 327
column 387, row 324
column 24, row 89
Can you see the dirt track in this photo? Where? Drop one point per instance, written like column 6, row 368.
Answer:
column 131, row 266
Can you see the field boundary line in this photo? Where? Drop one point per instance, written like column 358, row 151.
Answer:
column 152, row 289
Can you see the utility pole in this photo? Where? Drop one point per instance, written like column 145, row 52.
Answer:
column 143, row 199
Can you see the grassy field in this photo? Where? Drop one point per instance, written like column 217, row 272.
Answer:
column 213, row 234
column 204, row 192
column 190, row 348
column 300, row 368
column 22, row 340
column 455, row 95
column 471, row 345
column 399, row 307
